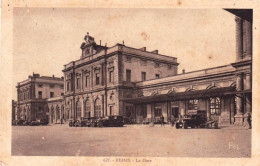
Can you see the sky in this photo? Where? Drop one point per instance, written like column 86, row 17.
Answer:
column 45, row 39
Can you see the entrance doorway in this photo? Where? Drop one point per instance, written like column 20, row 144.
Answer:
column 174, row 112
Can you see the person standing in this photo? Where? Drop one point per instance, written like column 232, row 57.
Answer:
column 249, row 120
column 162, row 120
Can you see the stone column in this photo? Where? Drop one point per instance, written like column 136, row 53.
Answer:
column 239, row 39
column 248, row 96
column 247, row 39
column 102, row 106
column 82, row 107
column 239, row 100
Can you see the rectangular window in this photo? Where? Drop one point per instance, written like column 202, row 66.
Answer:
column 40, row 94
column 158, row 112
column 62, row 94
column 157, row 65
column 128, row 75
column 157, row 76
column 143, row 76
column 51, row 86
column 78, row 83
column 68, row 86
column 87, row 81
column 111, row 110
column 111, row 76
column 97, row 78
column 193, row 104
column 51, row 94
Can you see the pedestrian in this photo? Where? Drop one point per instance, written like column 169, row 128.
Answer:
column 162, row 120
column 172, row 121
column 249, row 120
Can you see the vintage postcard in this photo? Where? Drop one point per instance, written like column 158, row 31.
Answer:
column 142, row 83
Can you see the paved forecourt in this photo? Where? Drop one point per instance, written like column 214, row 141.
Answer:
column 131, row 140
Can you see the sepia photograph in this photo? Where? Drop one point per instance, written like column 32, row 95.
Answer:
column 132, row 82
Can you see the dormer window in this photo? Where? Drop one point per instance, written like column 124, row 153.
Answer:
column 157, row 65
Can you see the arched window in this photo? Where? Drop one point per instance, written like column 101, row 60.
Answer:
column 87, row 109
column 193, row 104
column 215, row 106
column 78, row 110
column 97, row 108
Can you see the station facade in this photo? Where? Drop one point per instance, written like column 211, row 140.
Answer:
column 33, row 95
column 143, row 85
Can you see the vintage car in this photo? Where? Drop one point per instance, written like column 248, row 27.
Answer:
column 14, row 122
column 196, row 118
column 111, row 121
column 88, row 122
column 74, row 123
column 20, row 122
column 38, row 122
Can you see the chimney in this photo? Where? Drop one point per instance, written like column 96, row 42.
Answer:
column 183, row 71
column 53, row 76
column 100, row 42
column 155, row 51
column 123, row 42
column 143, row 49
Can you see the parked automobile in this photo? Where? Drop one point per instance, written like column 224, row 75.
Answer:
column 196, row 118
column 74, row 123
column 38, row 122
column 20, row 122
column 27, row 122
column 35, row 123
column 14, row 122
column 111, row 121
column 88, row 122
column 44, row 122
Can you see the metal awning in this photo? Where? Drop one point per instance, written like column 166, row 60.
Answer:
column 184, row 95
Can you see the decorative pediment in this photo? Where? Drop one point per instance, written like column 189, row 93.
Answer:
column 87, row 72
column 78, row 74
column 97, row 69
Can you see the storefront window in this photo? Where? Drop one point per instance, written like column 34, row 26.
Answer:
column 143, row 111
column 193, row 104
column 215, row 106
column 158, row 110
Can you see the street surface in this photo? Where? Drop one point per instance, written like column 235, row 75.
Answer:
column 130, row 140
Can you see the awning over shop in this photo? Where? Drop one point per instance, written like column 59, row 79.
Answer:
column 184, row 95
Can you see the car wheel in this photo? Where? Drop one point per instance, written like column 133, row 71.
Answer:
column 177, row 126
column 185, row 125
column 100, row 124
column 70, row 124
